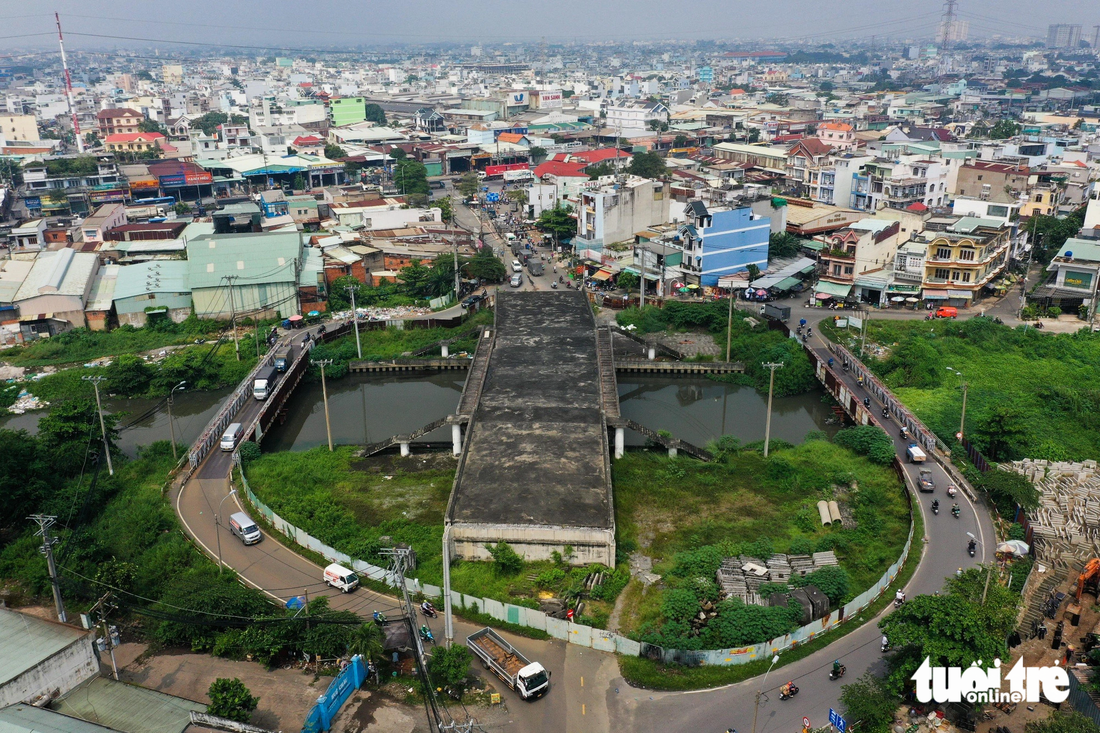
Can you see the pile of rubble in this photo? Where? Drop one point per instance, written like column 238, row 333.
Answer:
column 742, row 576
column 1067, row 523
column 27, row 401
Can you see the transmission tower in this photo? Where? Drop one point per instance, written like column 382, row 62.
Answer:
column 948, row 23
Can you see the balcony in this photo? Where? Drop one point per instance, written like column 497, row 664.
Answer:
column 837, row 254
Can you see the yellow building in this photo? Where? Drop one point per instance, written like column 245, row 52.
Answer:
column 962, row 258
column 1041, row 201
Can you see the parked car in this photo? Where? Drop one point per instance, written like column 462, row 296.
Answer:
column 516, row 280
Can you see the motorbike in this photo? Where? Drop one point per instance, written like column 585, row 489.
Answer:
column 426, row 635
column 379, row 618
column 951, row 491
column 885, row 412
column 791, row 692
column 554, row 285
column 866, row 401
column 935, row 507
column 905, row 433
column 885, row 647
column 955, row 511
column 836, row 674
column 429, row 611
column 898, row 602
column 970, row 548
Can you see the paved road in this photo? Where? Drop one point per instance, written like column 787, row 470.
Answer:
column 717, row 710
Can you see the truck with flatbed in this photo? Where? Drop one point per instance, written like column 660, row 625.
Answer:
column 529, row 679
column 776, row 312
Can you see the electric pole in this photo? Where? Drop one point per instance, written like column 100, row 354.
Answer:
column 947, row 24
column 44, row 523
column 324, row 394
column 110, row 633
column 233, row 314
column 771, row 387
column 171, row 425
column 355, row 320
column 102, row 425
column 729, row 326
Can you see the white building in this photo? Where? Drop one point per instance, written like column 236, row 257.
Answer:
column 38, row 657
column 632, row 118
column 619, row 207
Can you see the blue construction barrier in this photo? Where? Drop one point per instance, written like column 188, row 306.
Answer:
column 324, row 710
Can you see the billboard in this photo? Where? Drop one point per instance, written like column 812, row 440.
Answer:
column 548, row 100
column 517, row 99
column 1076, row 279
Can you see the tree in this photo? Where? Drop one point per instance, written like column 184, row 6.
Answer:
column 415, row 278
column 558, row 221
column 1008, row 488
column 681, row 141
column 782, row 245
column 450, row 667
column 627, row 281
column 91, row 140
column 506, row 561
column 1004, row 129
column 128, row 375
column 867, row 440
column 870, row 703
column 410, row 176
column 832, row 581
column 366, row 641
column 181, row 208
column 754, row 134
column 299, row 182
column 1060, row 721
column 597, row 171
column 338, row 297
column 826, row 86
column 230, row 699
column 537, row 153
column 334, row 152
column 518, row 196
column 25, row 476
column 753, row 272
column 779, row 99
column 999, row 432
column 647, row 165
column 446, row 210
column 375, row 114
column 209, row 122
column 66, row 431
column 953, row 629
column 398, row 153
column 148, row 125
column 249, row 451
column 468, row 185
column 657, row 125
column 485, row 266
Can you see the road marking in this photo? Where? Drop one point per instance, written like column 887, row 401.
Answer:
column 582, row 681
column 582, row 709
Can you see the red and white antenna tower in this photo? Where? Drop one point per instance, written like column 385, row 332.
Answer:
column 69, row 86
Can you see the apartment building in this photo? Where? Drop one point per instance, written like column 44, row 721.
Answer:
column 805, row 160
column 632, row 117
column 18, row 128
column 619, row 207
column 858, row 260
column 963, row 256
column 838, row 135
column 985, row 180
column 720, row 243
column 900, row 182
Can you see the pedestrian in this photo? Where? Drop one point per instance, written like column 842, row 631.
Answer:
column 1042, row 631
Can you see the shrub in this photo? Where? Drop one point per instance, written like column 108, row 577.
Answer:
column 868, row 440
column 832, row 581
column 505, row 559
column 1054, row 311
column 451, row 666
column 802, row 545
column 232, row 700
column 679, row 604
column 249, row 452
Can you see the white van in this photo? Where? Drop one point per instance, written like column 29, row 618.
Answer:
column 340, row 577
column 230, row 436
column 516, row 266
column 242, row 526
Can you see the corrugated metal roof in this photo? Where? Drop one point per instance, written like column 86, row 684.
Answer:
column 26, row 641
column 64, row 272
column 103, row 289
column 21, row 718
column 128, row 708
column 255, row 259
column 157, row 276
column 12, row 275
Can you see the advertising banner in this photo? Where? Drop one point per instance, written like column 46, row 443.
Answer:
column 1076, row 279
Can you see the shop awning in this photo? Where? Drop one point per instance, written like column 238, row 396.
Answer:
column 935, row 294
column 964, row 294
column 601, row 275
column 834, row 289
column 813, row 244
column 787, row 283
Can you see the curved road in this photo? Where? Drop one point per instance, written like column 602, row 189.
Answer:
column 606, row 702
column 732, row 707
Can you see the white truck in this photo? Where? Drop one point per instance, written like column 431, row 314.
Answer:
column 915, row 454
column 515, row 176
column 137, row 213
column 529, row 679
column 263, row 383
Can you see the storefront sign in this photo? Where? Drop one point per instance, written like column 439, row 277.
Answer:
column 1075, row 279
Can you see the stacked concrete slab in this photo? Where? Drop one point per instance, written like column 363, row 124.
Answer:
column 737, row 578
column 1067, row 523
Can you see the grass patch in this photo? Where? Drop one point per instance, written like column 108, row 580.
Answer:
column 359, row 506
column 1031, row 394
column 686, row 516
column 650, row 675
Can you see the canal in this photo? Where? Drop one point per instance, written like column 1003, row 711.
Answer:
column 368, row 408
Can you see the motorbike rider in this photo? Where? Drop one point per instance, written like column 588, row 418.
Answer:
column 427, row 608
column 900, row 596
column 787, row 688
column 971, row 545
column 936, row 505
column 885, row 642
column 837, row 667
column 955, row 509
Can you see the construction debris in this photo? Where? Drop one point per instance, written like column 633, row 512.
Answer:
column 742, row 576
column 1066, row 525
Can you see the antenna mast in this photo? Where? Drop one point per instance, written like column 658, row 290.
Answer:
column 69, row 86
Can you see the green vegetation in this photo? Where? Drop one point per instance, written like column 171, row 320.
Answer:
column 750, row 345
column 688, row 516
column 647, row 165
column 390, row 343
column 351, row 503
column 869, row 703
column 209, row 122
column 1030, row 394
column 375, row 114
column 230, row 699
column 410, row 177
column 1060, row 721
column 81, row 345
column 782, row 245
column 450, row 667
column 558, row 222
column 1050, row 232
column 81, row 165
column 868, row 440
column 969, row 621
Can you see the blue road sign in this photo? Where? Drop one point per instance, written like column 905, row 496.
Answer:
column 492, row 197
column 837, row 721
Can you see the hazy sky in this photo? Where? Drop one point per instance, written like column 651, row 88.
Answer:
column 320, row 24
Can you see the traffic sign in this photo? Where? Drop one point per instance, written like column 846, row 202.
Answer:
column 837, row 721
column 805, row 722
column 492, row 197
column 959, row 436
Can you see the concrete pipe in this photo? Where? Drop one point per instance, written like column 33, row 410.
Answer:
column 823, row 510
column 834, row 511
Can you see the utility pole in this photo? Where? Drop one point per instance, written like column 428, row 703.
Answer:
column 171, row 426
column 642, row 288
column 355, row 320
column 771, row 386
column 863, row 330
column 104, row 606
column 760, row 691
column 458, row 283
column 324, row 394
column 448, row 620
column 102, row 425
column 233, row 314
column 44, row 523
column 729, row 326
column 962, row 418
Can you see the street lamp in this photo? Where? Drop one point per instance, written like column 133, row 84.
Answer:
column 760, row 691
column 171, row 425
column 217, row 526
column 965, row 386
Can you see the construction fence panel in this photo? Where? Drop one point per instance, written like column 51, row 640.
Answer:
column 603, row 641
column 493, row 608
column 557, row 628
column 534, row 619
column 580, row 635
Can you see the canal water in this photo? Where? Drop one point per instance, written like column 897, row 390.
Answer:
column 368, row 408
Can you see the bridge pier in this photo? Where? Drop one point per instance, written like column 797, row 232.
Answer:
column 456, row 439
column 651, row 353
column 405, row 452
column 446, row 351
column 620, row 442
column 672, row 451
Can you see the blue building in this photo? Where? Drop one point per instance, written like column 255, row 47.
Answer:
column 706, row 75
column 722, row 243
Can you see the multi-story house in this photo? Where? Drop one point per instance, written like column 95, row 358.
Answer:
column 1074, row 274
column 60, row 185
column 118, row 121
column 857, row 260
column 805, row 161
column 1003, row 183
column 633, row 117
column 132, row 142
column 1043, row 199
column 963, row 256
column 721, row 243
column 619, row 207
column 900, row 182
column 839, row 135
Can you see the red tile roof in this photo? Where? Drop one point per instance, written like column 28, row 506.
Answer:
column 916, row 206
column 600, row 155
column 307, row 140
column 510, row 137
column 561, row 168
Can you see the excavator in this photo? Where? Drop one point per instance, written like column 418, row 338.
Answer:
column 1089, row 578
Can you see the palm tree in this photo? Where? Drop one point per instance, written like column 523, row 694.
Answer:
column 366, row 640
